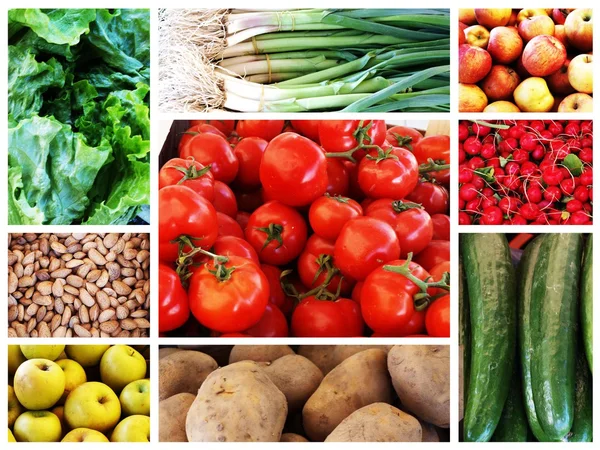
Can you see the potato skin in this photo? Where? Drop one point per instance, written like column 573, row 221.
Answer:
column 292, row 437
column 258, row 353
column 358, row 381
column 172, row 413
column 162, row 352
column 238, row 403
column 429, row 432
column 421, row 378
column 297, row 377
column 327, row 357
column 378, row 422
column 183, row 371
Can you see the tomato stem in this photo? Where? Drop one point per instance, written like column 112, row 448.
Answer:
column 400, row 206
column 273, row 231
column 433, row 166
column 186, row 259
column 403, row 141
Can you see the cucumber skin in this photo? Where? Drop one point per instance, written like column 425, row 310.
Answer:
column 587, row 294
column 525, row 272
column 492, row 301
column 464, row 338
column 513, row 422
column 582, row 430
column 554, row 316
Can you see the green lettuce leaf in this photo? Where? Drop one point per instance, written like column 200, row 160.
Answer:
column 19, row 211
column 55, row 26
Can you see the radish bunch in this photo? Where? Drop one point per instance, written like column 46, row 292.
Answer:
column 519, row 172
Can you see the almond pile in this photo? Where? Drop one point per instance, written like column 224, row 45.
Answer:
column 78, row 284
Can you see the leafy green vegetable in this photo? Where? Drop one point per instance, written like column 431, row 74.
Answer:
column 78, row 109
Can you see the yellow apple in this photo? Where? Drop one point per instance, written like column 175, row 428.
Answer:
column 14, row 407
column 501, row 106
column 577, row 102
column 59, row 411
column 15, row 358
column 50, row 352
column 84, row 435
column 529, row 13
column 581, row 73
column 132, row 429
column 86, row 355
column 11, row 438
column 135, row 398
column 120, row 365
column 92, row 405
column 533, row 95
column 39, row 384
column 493, row 17
column 74, row 376
column 37, row 426
column 477, row 35
column 471, row 98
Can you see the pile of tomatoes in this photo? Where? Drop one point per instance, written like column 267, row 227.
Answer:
column 520, row 172
column 308, row 228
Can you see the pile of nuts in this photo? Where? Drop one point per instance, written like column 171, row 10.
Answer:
column 78, row 284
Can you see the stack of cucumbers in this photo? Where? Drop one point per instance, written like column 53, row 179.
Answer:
column 526, row 339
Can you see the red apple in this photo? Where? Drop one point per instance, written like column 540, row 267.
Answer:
column 521, row 70
column 558, row 82
column 462, row 39
column 536, row 26
column 559, row 33
column 579, row 29
column 528, row 13
column 559, row 15
column 505, row 45
column 467, row 16
column 493, row 17
column 513, row 21
column 500, row 83
column 543, row 55
column 477, row 35
column 474, row 63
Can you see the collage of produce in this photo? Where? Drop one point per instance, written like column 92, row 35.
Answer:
column 284, row 249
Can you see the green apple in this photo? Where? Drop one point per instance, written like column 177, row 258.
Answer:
column 135, row 398
column 84, row 435
column 74, row 376
column 51, row 352
column 37, row 426
column 39, row 383
column 11, row 438
column 132, row 429
column 14, row 407
column 86, row 355
column 120, row 365
column 15, row 358
column 92, row 405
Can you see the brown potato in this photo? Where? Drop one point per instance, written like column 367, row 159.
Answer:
column 421, row 378
column 183, row 371
column 327, row 357
column 258, row 353
column 162, row 352
column 171, row 416
column 429, row 432
column 292, row 437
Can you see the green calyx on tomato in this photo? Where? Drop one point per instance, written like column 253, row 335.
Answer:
column 191, row 173
column 186, row 259
column 320, row 292
column 221, row 272
column 400, row 206
column 422, row 299
column 403, row 141
column 433, row 166
column 362, row 132
column 274, row 233
column 382, row 155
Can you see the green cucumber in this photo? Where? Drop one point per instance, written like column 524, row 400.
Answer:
column 464, row 336
column 526, row 270
column 513, row 422
column 491, row 284
column 582, row 424
column 586, row 301
column 554, row 315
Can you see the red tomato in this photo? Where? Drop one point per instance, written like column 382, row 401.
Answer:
column 264, row 129
column 412, row 225
column 249, row 153
column 436, row 273
column 414, row 327
column 308, row 128
column 235, row 246
column 228, row 226
column 338, row 178
column 354, row 189
column 441, row 227
column 224, row 126
column 356, row 292
column 173, row 307
column 391, row 173
column 249, row 200
column 196, row 130
column 184, row 212
column 433, row 197
column 400, row 136
column 437, row 320
column 293, row 170
column 213, row 150
column 276, row 294
column 228, row 297
column 387, row 299
column 225, row 200
column 325, row 318
column 435, row 253
column 277, row 232
column 363, row 245
column 327, row 215
column 314, row 263
column 190, row 173
column 438, row 149
column 271, row 324
column 341, row 135
column 242, row 218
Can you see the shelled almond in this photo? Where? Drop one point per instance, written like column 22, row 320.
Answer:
column 78, row 284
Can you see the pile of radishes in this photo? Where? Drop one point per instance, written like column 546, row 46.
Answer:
column 519, row 172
